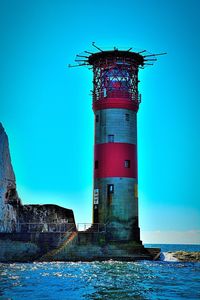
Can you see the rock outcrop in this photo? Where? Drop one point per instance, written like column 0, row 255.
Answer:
column 44, row 218
column 15, row 217
column 187, row 256
column 9, row 199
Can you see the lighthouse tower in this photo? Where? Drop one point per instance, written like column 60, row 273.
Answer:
column 116, row 102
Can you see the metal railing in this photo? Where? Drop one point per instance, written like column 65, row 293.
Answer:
column 45, row 227
column 59, row 227
column 129, row 95
column 91, row 227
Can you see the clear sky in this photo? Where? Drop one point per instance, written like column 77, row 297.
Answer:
column 45, row 107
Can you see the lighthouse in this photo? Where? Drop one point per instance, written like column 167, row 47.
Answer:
column 115, row 104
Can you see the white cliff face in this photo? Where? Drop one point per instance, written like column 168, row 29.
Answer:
column 7, row 186
column 13, row 215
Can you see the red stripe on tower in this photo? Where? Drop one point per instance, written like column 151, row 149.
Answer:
column 115, row 103
column 115, row 160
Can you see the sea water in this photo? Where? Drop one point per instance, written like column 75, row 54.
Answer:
column 166, row 279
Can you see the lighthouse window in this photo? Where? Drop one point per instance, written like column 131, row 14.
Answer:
column 96, row 164
column 127, row 117
column 127, row 163
column 97, row 118
column 111, row 138
column 110, row 188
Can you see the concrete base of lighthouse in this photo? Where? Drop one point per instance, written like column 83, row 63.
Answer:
column 80, row 246
column 94, row 247
column 119, row 209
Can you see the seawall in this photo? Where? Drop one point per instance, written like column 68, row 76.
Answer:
column 72, row 246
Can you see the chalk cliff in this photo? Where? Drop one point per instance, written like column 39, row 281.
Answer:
column 15, row 217
column 8, row 195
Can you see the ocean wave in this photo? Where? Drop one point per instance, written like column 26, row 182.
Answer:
column 168, row 256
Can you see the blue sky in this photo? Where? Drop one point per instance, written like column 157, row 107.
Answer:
column 45, row 107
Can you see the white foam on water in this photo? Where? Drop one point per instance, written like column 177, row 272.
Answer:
column 168, row 256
